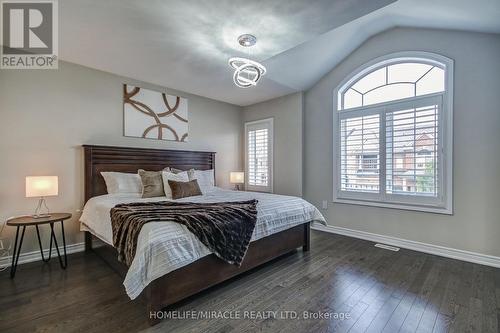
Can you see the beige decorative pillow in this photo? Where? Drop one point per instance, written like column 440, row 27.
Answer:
column 184, row 189
column 152, row 183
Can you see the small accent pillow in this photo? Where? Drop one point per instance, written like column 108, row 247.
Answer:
column 152, row 183
column 122, row 182
column 179, row 177
column 184, row 189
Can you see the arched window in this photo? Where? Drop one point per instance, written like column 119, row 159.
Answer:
column 393, row 124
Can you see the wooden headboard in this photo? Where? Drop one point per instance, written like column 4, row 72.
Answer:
column 121, row 159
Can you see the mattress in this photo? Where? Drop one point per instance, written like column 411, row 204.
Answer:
column 163, row 247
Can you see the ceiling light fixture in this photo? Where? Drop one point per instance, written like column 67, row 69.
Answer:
column 246, row 72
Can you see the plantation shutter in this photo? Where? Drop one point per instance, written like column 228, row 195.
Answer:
column 360, row 163
column 413, row 153
column 259, row 155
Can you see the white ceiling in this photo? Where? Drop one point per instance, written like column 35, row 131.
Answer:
column 185, row 45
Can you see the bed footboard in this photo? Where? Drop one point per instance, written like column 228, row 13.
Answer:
column 205, row 272
column 210, row 270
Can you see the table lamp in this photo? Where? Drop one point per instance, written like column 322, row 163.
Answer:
column 41, row 187
column 237, row 178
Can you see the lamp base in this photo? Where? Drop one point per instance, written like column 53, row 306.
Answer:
column 38, row 214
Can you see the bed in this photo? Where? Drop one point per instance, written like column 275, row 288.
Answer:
column 170, row 263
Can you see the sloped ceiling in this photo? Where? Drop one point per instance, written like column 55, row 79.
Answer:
column 185, row 45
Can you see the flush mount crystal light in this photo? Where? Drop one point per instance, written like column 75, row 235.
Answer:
column 247, row 40
column 246, row 72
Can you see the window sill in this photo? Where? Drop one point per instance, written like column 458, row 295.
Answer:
column 419, row 208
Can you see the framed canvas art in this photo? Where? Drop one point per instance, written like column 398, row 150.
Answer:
column 154, row 115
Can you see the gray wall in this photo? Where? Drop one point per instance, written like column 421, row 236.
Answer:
column 287, row 114
column 475, row 225
column 46, row 115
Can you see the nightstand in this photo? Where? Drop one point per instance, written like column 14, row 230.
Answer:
column 26, row 221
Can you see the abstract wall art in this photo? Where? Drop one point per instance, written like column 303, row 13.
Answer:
column 155, row 115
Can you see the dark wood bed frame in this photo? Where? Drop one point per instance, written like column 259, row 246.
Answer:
column 201, row 274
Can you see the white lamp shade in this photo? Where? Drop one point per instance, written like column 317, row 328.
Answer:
column 42, row 186
column 237, row 177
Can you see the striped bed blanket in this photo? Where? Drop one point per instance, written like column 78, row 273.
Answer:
column 225, row 228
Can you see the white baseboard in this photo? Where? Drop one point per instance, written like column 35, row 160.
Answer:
column 442, row 251
column 35, row 255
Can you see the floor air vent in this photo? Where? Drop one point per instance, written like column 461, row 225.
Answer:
column 387, row 247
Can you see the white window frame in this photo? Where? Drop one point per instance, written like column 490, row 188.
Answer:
column 444, row 203
column 269, row 124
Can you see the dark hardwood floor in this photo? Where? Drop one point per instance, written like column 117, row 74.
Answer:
column 378, row 290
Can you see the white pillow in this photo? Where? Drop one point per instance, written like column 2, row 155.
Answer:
column 205, row 178
column 178, row 177
column 121, row 182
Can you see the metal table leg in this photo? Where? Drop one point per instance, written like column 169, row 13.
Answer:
column 53, row 236
column 64, row 245
column 17, row 251
column 41, row 248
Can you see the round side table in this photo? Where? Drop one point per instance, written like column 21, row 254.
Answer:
column 26, row 221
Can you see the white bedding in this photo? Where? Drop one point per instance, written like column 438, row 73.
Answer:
column 165, row 246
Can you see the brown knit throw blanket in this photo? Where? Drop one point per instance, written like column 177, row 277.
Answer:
column 224, row 227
